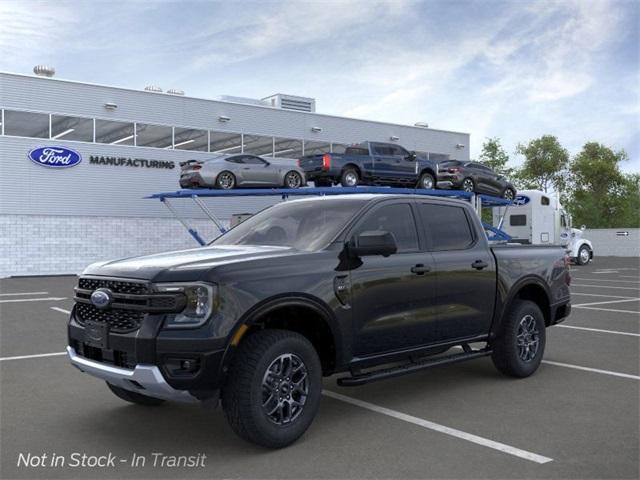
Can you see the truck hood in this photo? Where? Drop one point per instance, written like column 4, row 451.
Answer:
column 183, row 265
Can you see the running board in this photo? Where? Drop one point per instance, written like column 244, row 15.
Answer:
column 384, row 373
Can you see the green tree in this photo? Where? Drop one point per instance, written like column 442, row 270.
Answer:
column 494, row 156
column 600, row 195
column 545, row 164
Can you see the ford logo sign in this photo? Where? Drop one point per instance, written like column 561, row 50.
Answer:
column 521, row 200
column 55, row 157
column 102, row 298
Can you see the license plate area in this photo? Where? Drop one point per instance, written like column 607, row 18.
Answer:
column 96, row 334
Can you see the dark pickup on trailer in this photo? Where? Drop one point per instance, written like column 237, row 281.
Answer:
column 371, row 163
column 372, row 286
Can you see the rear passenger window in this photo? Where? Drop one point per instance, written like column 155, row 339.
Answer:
column 396, row 219
column 447, row 226
column 517, row 220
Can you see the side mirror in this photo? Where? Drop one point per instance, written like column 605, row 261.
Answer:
column 412, row 156
column 266, row 164
column 373, row 242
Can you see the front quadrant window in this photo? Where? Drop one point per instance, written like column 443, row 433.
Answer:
column 114, row 132
column 226, row 143
column 190, row 139
column 157, row 136
column 78, row 129
column 26, row 124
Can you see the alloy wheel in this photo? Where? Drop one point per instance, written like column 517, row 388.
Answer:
column 226, row 181
column 351, row 179
column 527, row 338
column 293, row 180
column 584, row 255
column 427, row 182
column 467, row 185
column 285, row 387
column 508, row 194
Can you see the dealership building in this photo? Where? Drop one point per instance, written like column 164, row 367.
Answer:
column 127, row 144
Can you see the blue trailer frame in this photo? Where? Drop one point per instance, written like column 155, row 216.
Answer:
column 479, row 201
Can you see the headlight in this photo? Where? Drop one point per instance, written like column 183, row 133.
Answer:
column 199, row 303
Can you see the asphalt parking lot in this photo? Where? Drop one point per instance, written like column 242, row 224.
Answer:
column 577, row 417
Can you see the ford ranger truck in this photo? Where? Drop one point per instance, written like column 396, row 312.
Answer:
column 366, row 286
column 371, row 163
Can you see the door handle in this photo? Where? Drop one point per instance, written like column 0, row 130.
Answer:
column 479, row 264
column 246, row 168
column 420, row 269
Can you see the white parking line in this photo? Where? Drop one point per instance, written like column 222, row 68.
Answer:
column 598, row 295
column 608, row 310
column 23, row 293
column 61, row 310
column 605, row 286
column 628, row 276
column 40, row 355
column 599, row 330
column 48, row 299
column 608, row 301
column 485, row 442
column 606, row 280
column 595, row 370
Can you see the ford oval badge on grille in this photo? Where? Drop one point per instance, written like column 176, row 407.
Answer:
column 55, row 157
column 102, row 298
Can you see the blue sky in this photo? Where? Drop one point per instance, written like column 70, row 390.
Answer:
column 515, row 70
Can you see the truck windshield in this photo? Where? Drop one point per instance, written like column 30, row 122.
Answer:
column 304, row 225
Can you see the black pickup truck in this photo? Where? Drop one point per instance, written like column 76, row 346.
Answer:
column 371, row 163
column 371, row 286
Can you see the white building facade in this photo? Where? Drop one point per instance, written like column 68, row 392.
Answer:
column 129, row 144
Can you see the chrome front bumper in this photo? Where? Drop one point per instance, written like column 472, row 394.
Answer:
column 144, row 379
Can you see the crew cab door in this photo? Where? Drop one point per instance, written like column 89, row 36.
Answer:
column 466, row 271
column 392, row 297
column 383, row 160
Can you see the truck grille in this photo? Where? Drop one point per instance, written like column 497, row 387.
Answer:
column 119, row 320
column 116, row 286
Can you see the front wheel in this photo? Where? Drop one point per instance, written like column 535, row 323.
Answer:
column 273, row 388
column 427, row 181
column 293, row 179
column 584, row 255
column 519, row 346
column 468, row 185
column 134, row 397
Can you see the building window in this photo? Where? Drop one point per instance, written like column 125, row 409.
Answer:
column 71, row 128
column 287, row 148
column 114, row 133
column 190, row 139
column 26, row 124
column 338, row 147
column 258, row 145
column 225, row 142
column 314, row 148
column 157, row 136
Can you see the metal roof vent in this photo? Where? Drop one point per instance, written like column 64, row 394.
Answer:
column 292, row 102
column 175, row 91
column 153, row 88
column 44, row 71
column 421, row 124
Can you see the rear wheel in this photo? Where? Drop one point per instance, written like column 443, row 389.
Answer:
column 349, row 177
column 519, row 346
column 226, row 180
column 509, row 194
column 427, row 181
column 134, row 397
column 584, row 255
column 468, row 185
column 273, row 388
column 293, row 179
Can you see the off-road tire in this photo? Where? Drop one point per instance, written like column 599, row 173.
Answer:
column 242, row 395
column 134, row 397
column 506, row 356
column 344, row 177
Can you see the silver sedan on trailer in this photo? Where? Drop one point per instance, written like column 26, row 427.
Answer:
column 241, row 170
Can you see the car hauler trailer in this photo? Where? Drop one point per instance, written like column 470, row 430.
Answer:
column 478, row 201
column 537, row 218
